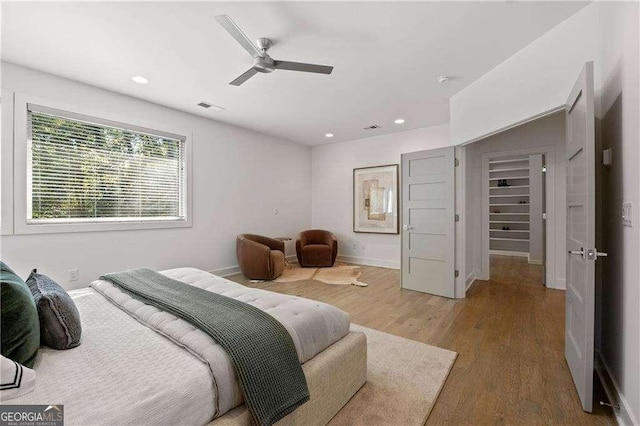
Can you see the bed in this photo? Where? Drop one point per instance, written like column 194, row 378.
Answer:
column 140, row 365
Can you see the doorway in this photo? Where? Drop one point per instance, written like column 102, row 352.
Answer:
column 516, row 204
column 515, row 183
column 567, row 141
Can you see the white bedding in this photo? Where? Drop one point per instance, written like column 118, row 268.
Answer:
column 127, row 373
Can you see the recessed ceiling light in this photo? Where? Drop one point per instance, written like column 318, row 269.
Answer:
column 139, row 79
column 399, row 121
column 328, row 135
column 443, row 79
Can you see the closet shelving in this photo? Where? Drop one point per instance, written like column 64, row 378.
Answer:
column 509, row 205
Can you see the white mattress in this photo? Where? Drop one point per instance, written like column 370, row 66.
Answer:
column 313, row 325
column 127, row 373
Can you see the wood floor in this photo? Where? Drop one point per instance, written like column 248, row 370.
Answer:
column 508, row 332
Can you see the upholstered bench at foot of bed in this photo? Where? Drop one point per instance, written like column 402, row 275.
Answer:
column 333, row 377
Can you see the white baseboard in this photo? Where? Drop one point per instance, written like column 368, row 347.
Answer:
column 559, row 284
column 624, row 414
column 535, row 262
column 232, row 270
column 469, row 281
column 225, row 272
column 478, row 275
column 509, row 253
column 392, row 264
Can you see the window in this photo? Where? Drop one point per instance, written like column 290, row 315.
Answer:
column 82, row 169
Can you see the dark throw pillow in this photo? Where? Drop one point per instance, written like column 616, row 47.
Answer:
column 59, row 317
column 19, row 324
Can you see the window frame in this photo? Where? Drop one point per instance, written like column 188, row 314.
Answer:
column 6, row 163
column 22, row 225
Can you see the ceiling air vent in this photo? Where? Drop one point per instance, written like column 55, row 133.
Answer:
column 372, row 127
column 207, row 105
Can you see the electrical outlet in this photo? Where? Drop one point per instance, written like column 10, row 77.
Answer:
column 275, row 211
column 627, row 214
column 74, row 275
column 355, row 245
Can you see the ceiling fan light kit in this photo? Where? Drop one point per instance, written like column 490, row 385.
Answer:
column 262, row 62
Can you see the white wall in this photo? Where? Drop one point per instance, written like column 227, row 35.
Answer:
column 619, row 122
column 536, row 79
column 332, row 183
column 544, row 132
column 239, row 178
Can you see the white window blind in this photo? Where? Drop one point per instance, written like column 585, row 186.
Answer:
column 84, row 169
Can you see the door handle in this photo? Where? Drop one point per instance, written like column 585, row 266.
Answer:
column 407, row 227
column 590, row 254
column 578, row 252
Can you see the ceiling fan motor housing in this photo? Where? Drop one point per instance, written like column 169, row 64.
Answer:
column 265, row 65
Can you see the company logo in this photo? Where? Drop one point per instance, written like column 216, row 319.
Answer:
column 31, row 415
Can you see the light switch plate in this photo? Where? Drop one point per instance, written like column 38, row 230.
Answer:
column 607, row 157
column 627, row 214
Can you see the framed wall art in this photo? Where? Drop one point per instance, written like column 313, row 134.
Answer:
column 376, row 199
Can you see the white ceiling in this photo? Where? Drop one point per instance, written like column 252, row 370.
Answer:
column 387, row 56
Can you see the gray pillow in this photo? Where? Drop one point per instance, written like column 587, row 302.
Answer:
column 59, row 317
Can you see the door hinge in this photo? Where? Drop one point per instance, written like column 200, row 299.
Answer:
column 457, row 218
column 456, row 162
column 614, row 405
column 456, row 273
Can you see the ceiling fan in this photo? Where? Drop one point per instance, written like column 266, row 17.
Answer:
column 262, row 62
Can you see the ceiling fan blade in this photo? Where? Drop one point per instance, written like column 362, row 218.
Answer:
column 244, row 77
column 235, row 31
column 299, row 66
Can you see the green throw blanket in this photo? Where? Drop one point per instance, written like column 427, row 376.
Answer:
column 261, row 349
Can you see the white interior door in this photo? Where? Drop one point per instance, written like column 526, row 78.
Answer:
column 581, row 238
column 428, row 217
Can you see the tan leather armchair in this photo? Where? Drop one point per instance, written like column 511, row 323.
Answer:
column 260, row 258
column 316, row 247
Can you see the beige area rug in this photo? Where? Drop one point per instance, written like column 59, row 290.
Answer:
column 404, row 379
column 339, row 273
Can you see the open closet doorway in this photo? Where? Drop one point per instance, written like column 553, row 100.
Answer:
column 515, row 209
